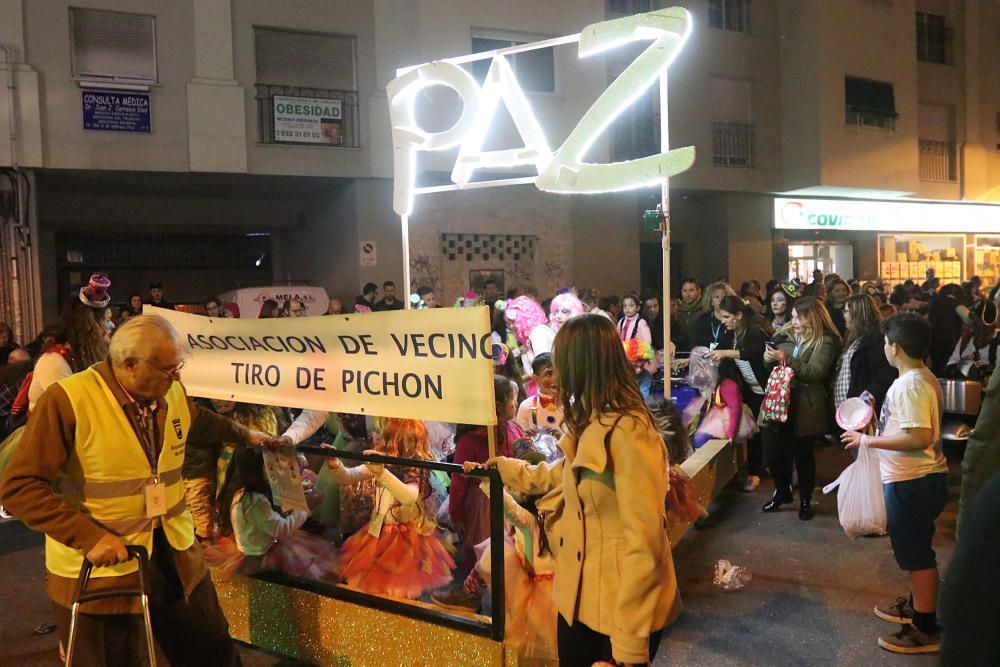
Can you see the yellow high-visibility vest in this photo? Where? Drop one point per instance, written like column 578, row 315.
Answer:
column 108, row 471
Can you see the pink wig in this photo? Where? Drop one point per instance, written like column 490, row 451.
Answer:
column 569, row 301
column 526, row 315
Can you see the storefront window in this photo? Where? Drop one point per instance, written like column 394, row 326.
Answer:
column 987, row 264
column 909, row 256
column 829, row 258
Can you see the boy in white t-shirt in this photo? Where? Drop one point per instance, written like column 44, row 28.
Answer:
column 542, row 412
column 914, row 479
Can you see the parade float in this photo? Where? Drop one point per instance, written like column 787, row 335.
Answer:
column 433, row 364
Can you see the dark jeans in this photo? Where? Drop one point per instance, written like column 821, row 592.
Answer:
column 579, row 646
column 782, row 450
column 188, row 632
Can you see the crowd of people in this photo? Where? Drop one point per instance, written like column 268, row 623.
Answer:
column 590, row 432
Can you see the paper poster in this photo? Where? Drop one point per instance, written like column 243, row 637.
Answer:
column 282, row 471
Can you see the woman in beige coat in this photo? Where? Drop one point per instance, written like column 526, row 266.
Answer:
column 615, row 588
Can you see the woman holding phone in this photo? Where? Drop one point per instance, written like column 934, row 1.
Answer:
column 809, row 346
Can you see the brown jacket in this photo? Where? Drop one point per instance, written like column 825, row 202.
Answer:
column 614, row 570
column 27, row 489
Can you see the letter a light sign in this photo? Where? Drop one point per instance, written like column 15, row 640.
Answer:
column 563, row 170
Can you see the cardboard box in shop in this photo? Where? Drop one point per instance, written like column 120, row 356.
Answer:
column 888, row 248
column 884, row 273
column 893, row 270
column 900, row 257
column 938, row 268
column 922, row 268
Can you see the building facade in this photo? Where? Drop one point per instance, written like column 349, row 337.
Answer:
column 177, row 142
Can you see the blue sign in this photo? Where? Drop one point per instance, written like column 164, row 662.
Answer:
column 116, row 112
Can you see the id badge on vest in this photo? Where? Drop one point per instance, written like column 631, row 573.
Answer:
column 156, row 499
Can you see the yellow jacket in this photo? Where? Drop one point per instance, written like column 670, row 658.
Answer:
column 614, row 571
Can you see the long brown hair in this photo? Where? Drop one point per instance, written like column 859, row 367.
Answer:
column 84, row 335
column 594, row 374
column 864, row 316
column 817, row 321
column 751, row 318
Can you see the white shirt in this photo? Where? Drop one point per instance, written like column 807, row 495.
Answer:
column 547, row 417
column 307, row 423
column 913, row 401
column 51, row 368
column 257, row 525
column 966, row 357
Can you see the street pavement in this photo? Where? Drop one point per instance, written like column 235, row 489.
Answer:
column 808, row 603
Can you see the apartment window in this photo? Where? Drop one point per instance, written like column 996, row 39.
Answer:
column 933, row 39
column 938, row 149
column 112, row 46
column 636, row 132
column 629, row 7
column 729, row 15
column 306, row 87
column 870, row 103
column 535, row 70
column 732, row 129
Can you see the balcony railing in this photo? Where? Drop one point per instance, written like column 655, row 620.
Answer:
column 732, row 145
column 313, row 117
column 938, row 161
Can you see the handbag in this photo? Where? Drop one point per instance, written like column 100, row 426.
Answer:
column 777, row 395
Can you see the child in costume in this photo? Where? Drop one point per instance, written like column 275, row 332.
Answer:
column 541, row 412
column 529, row 568
column 400, row 552
column 528, row 332
column 637, row 339
column 205, row 466
column 719, row 412
column 468, row 506
column 258, row 537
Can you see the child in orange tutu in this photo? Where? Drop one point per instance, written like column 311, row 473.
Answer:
column 529, row 568
column 400, row 552
column 256, row 537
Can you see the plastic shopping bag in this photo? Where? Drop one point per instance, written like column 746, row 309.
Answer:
column 860, row 501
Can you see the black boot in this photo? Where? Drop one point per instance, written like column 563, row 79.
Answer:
column 805, row 509
column 776, row 501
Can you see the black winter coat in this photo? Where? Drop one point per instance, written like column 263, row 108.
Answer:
column 870, row 370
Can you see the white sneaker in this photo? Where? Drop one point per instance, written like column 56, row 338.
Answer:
column 4, row 514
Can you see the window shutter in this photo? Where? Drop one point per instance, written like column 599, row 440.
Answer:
column 304, row 59
column 113, row 45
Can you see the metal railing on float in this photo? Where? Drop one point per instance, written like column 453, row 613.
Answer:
column 494, row 629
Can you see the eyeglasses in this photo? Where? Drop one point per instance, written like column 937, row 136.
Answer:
column 174, row 372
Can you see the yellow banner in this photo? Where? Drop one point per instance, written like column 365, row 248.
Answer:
column 421, row 364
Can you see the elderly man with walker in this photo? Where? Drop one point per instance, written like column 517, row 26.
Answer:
column 99, row 472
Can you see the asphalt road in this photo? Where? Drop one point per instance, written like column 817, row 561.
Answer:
column 809, row 601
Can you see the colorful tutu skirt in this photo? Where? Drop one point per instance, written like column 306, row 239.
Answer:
column 301, row 555
column 714, row 422
column 401, row 562
column 530, row 605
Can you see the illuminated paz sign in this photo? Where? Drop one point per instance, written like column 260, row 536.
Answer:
column 427, row 364
column 563, row 170
column 885, row 216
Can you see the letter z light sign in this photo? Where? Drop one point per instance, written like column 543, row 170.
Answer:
column 564, row 170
